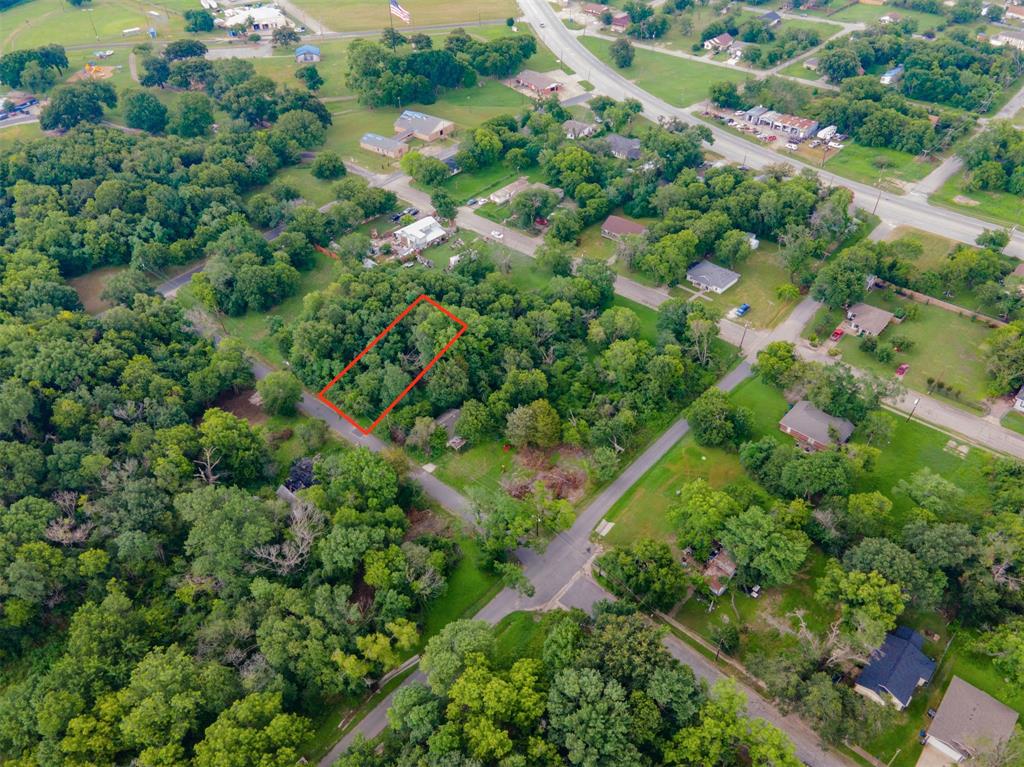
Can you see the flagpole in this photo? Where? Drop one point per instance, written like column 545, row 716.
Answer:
column 391, row 20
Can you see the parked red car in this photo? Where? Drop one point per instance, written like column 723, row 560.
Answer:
column 902, row 370
column 837, row 334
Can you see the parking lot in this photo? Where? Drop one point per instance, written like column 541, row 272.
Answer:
column 813, row 148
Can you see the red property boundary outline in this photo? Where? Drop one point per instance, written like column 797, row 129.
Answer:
column 321, row 395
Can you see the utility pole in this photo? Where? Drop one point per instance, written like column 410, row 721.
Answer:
column 914, row 408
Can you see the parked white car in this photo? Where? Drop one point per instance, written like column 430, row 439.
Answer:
column 498, row 235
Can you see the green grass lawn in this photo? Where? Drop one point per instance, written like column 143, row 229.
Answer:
column 643, row 511
column 349, row 15
column 680, row 82
column 947, row 348
column 1014, row 421
column 39, row 22
column 934, row 247
column 761, row 276
column 797, row 69
column 861, row 163
column 520, row 635
column 333, row 66
column 648, row 318
column 466, row 107
column 997, row 207
column 871, row 13
column 465, row 186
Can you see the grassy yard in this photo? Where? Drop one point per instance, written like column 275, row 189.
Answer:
column 643, row 511
column 35, row 23
column 934, row 247
column 680, row 82
column 332, row 67
column 871, row 13
column 797, row 69
column 1014, row 421
column 761, row 276
column 947, row 348
column 349, row 15
column 466, row 107
column 997, row 207
column 879, row 166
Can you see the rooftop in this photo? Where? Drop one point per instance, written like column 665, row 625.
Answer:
column 808, row 420
column 869, row 318
column 711, row 274
column 969, row 719
column 620, row 225
column 898, row 665
column 535, row 80
column 426, row 228
column 411, row 120
column 630, row 147
column 375, row 139
column 307, row 49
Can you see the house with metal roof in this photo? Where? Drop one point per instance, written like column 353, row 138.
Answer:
column 770, row 19
column 968, row 722
column 620, row 22
column 896, row 669
column 382, row 145
column 892, row 76
column 709, row 276
column 307, row 54
column 423, row 126
column 622, row 147
column 814, row 429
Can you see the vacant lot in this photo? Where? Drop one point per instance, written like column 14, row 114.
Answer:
column 998, row 207
column 680, row 82
column 349, row 15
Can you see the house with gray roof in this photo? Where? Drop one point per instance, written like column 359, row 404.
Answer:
column 575, row 129
column 867, row 320
column 968, row 722
column 709, row 276
column 423, row 126
column 770, row 19
column 896, row 669
column 622, row 147
column 1018, row 400
column 382, row 145
column 814, row 428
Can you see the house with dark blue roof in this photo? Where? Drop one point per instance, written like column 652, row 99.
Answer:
column 896, row 669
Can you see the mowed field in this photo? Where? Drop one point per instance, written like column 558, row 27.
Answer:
column 38, row 22
column 680, row 82
column 350, row 15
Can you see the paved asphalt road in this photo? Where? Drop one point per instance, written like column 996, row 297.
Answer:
column 910, row 209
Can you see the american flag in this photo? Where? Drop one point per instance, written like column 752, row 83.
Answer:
column 400, row 12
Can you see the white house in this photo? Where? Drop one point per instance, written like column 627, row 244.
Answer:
column 827, row 132
column 266, row 18
column 722, row 42
column 1018, row 400
column 421, row 234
